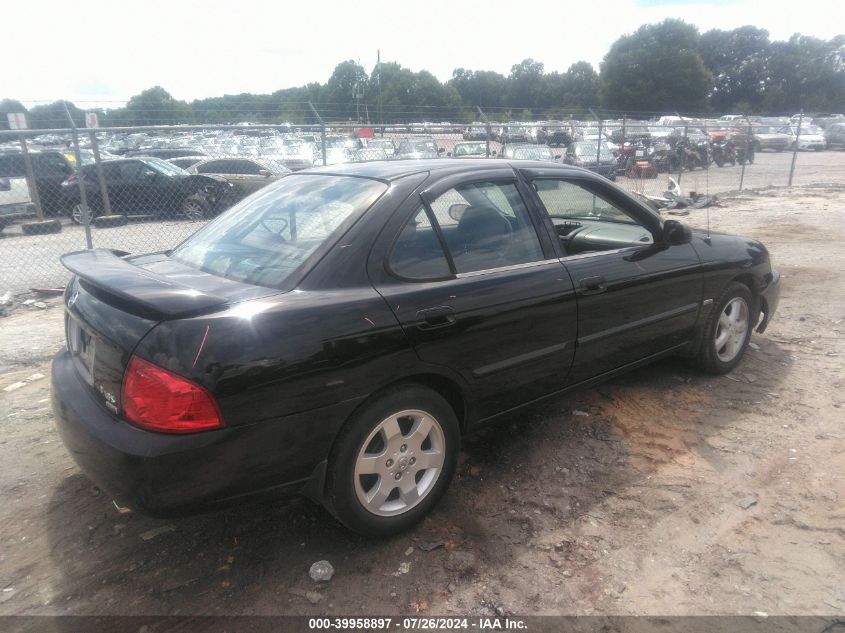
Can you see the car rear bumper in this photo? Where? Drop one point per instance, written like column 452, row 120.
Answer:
column 17, row 211
column 160, row 474
column 769, row 298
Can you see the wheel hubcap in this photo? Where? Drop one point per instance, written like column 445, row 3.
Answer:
column 399, row 463
column 731, row 330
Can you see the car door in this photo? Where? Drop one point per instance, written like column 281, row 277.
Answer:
column 478, row 289
column 637, row 296
column 51, row 170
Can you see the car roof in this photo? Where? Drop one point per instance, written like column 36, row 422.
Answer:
column 395, row 169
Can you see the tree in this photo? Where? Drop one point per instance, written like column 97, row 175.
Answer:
column 483, row 88
column 806, row 72
column 739, row 60
column 154, row 106
column 658, row 67
column 54, row 115
column 348, row 80
column 525, row 83
column 581, row 86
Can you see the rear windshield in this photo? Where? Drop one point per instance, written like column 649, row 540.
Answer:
column 265, row 238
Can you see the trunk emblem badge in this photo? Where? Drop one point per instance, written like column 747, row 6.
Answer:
column 72, row 300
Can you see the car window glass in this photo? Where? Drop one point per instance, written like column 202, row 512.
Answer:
column 244, row 167
column 214, row 167
column 51, row 165
column 567, row 200
column 12, row 166
column 417, row 253
column 129, row 170
column 488, row 226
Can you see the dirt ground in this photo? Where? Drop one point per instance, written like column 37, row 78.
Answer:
column 623, row 499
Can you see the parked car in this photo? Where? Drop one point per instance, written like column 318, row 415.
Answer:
column 834, row 136
column 50, row 169
column 469, row 149
column 15, row 202
column 771, row 137
column 384, row 144
column 246, row 175
column 418, row 148
column 146, row 186
column 165, row 152
column 337, row 334
column 476, row 132
column 368, row 153
column 812, row 138
column 186, row 161
column 588, row 155
column 293, row 153
column 528, row 151
column 513, row 133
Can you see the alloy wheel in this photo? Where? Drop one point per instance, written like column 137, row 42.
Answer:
column 399, row 463
column 731, row 329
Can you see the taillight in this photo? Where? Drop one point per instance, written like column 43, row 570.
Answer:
column 158, row 400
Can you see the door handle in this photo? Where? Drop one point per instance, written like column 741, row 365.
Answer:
column 431, row 318
column 592, row 285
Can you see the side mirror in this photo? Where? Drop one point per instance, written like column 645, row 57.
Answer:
column 557, row 156
column 441, row 150
column 449, row 154
column 5, row 184
column 495, row 153
column 676, row 233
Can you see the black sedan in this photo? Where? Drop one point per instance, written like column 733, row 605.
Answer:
column 336, row 333
column 146, row 186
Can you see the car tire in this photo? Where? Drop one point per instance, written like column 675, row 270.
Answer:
column 76, row 214
column 387, row 437
column 195, row 208
column 727, row 330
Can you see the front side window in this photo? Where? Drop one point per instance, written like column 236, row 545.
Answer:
column 587, row 222
column 265, row 238
column 569, row 201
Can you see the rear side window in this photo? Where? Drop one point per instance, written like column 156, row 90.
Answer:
column 417, row 253
column 486, row 225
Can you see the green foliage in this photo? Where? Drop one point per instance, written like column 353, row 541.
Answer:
column 664, row 67
column 658, row 67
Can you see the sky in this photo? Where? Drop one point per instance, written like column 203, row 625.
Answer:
column 98, row 52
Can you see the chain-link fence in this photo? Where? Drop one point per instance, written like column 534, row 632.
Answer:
column 145, row 189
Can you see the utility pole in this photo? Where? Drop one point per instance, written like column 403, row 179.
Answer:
column 378, row 83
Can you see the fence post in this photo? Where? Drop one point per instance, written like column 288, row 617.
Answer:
column 83, row 195
column 31, row 182
column 104, row 192
column 795, row 148
column 683, row 161
column 322, row 131
column 624, row 126
column 598, row 143
column 745, row 155
column 488, row 131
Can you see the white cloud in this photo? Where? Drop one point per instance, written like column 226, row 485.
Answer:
column 101, row 50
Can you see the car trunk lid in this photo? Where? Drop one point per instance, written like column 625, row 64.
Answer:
column 113, row 302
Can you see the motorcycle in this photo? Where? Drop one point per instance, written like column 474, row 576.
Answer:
column 724, row 152
column 705, row 153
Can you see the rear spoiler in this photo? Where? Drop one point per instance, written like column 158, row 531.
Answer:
column 136, row 289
